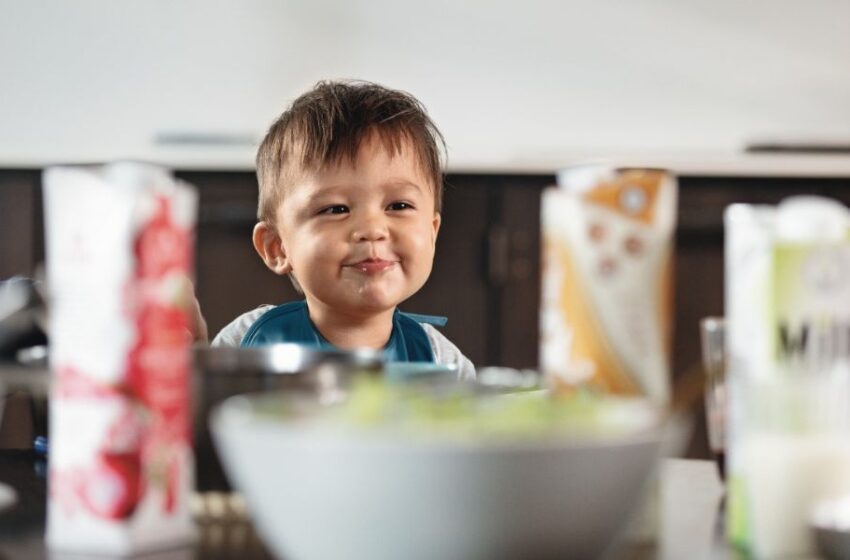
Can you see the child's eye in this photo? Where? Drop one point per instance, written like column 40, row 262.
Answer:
column 335, row 209
column 400, row 206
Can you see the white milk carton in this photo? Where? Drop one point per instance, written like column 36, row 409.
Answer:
column 788, row 342
column 119, row 242
column 607, row 286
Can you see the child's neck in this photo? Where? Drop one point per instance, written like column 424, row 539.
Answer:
column 352, row 331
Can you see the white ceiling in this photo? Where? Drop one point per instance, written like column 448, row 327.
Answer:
column 527, row 84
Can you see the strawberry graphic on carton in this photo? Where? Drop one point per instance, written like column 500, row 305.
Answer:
column 115, row 482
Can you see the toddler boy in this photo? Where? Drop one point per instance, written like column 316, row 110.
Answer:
column 350, row 192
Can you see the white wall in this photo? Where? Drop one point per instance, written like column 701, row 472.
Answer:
column 526, row 84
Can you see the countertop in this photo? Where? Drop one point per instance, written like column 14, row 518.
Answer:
column 22, row 525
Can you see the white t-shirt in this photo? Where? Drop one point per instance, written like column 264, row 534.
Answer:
column 444, row 351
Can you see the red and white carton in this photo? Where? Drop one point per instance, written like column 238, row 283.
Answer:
column 119, row 241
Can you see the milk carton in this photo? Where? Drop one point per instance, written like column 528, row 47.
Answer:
column 788, row 341
column 606, row 294
column 119, row 242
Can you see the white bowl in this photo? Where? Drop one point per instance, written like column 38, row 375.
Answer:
column 317, row 493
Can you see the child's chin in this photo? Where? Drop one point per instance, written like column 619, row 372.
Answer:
column 374, row 302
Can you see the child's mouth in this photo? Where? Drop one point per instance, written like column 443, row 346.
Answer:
column 372, row 266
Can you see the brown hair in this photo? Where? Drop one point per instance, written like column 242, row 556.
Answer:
column 329, row 122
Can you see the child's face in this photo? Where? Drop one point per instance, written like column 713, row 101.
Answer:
column 360, row 236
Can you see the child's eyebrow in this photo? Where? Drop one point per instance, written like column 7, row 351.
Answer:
column 330, row 191
column 323, row 193
column 404, row 183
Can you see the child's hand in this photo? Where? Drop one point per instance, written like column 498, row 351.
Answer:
column 197, row 324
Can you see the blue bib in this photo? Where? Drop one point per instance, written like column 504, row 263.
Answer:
column 290, row 322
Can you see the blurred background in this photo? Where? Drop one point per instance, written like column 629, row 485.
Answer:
column 513, row 85
column 745, row 101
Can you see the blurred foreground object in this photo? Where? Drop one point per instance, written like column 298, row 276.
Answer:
column 21, row 317
column 830, row 522
column 482, row 475
column 713, row 342
column 119, row 241
column 787, row 323
column 607, row 294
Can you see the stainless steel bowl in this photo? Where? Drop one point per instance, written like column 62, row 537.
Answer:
column 281, row 359
column 325, row 374
column 830, row 526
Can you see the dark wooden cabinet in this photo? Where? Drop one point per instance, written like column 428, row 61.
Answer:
column 21, row 226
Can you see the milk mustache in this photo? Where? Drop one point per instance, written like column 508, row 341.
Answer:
column 607, row 286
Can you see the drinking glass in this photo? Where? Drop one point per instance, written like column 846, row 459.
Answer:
column 713, row 339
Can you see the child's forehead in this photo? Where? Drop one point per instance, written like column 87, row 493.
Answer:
column 391, row 151
column 375, row 163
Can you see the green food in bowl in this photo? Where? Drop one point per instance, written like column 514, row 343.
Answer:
column 413, row 371
column 458, row 412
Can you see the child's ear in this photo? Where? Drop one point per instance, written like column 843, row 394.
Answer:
column 436, row 224
column 270, row 247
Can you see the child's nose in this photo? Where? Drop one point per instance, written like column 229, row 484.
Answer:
column 371, row 228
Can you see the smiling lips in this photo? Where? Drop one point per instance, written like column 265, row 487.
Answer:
column 372, row 266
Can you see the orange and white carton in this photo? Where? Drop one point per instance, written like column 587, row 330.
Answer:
column 607, row 280
column 119, row 242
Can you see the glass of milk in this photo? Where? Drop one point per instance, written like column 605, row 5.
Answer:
column 713, row 340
